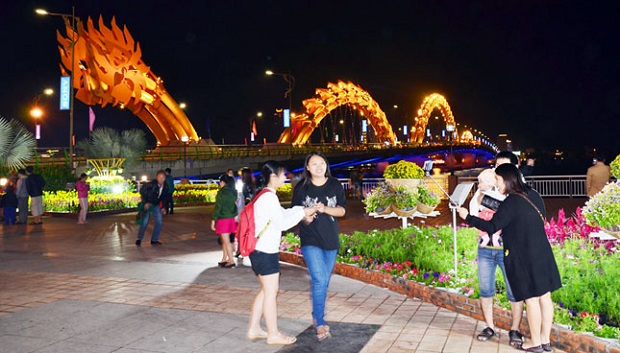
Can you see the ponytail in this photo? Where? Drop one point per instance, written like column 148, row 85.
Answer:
column 270, row 167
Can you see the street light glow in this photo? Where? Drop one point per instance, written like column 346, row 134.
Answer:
column 36, row 112
column 48, row 91
column 182, row 105
column 184, row 139
column 269, row 72
column 259, row 114
column 42, row 12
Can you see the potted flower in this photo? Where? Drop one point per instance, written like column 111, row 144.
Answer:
column 403, row 173
column 405, row 201
column 379, row 200
column 427, row 200
column 603, row 209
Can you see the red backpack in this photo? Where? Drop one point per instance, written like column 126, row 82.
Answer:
column 246, row 231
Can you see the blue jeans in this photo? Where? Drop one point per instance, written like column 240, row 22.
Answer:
column 320, row 266
column 154, row 211
column 9, row 215
column 488, row 260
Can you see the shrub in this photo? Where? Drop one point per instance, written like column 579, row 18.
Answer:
column 427, row 197
column 403, row 170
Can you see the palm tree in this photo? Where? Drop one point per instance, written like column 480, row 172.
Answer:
column 106, row 142
column 16, row 144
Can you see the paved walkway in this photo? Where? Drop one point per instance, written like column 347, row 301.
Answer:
column 69, row 288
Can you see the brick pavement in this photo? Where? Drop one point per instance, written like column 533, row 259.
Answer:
column 70, row 288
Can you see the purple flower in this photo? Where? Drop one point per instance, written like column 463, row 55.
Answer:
column 561, row 304
column 436, row 274
column 426, row 275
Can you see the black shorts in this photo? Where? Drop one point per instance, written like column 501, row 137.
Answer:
column 265, row 264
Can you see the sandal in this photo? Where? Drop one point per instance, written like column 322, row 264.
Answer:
column 322, row 333
column 535, row 349
column 486, row 334
column 516, row 338
column 547, row 347
column 281, row 340
column 256, row 336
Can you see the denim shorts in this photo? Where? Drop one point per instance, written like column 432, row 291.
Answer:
column 264, row 263
column 488, row 260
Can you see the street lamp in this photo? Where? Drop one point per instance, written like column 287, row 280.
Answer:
column 185, row 140
column 182, row 105
column 450, row 129
column 291, row 84
column 65, row 18
column 37, row 112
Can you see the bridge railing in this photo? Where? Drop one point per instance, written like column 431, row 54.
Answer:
column 59, row 155
column 200, row 152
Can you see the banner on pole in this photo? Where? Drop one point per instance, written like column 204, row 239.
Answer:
column 286, row 116
column 91, row 119
column 65, row 92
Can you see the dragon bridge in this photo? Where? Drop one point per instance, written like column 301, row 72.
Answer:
column 110, row 70
column 330, row 98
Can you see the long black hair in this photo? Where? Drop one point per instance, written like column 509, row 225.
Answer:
column 306, row 178
column 270, row 167
column 230, row 182
column 513, row 179
column 246, row 178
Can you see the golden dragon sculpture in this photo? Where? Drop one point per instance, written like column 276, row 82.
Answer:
column 109, row 70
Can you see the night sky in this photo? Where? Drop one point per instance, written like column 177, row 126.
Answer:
column 545, row 72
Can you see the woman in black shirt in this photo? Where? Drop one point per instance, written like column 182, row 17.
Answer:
column 530, row 265
column 319, row 233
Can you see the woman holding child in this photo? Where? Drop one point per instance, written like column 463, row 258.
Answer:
column 530, row 265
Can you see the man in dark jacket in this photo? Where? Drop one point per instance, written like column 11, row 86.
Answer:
column 34, row 185
column 152, row 194
column 169, row 201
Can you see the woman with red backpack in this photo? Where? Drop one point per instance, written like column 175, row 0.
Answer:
column 270, row 220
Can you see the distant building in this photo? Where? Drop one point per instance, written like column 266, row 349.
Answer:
column 504, row 143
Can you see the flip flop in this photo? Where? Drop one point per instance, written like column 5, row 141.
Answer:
column 282, row 341
column 256, row 337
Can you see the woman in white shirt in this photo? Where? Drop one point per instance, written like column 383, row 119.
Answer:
column 270, row 220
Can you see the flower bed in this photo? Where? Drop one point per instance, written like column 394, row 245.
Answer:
column 589, row 300
column 184, row 195
column 67, row 201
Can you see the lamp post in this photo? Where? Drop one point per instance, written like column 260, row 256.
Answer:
column 450, row 129
column 65, row 18
column 185, row 140
column 37, row 112
column 291, row 84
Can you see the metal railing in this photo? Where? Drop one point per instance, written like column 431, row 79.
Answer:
column 55, row 155
column 546, row 185
column 552, row 185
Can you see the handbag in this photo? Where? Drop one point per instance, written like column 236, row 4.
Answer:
column 536, row 208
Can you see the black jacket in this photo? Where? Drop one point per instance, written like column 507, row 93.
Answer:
column 9, row 200
column 34, row 185
column 149, row 192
